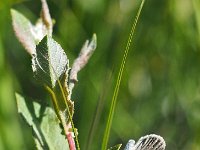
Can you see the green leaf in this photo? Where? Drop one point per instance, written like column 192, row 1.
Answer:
column 24, row 31
column 30, row 35
column 116, row 147
column 44, row 123
column 50, row 62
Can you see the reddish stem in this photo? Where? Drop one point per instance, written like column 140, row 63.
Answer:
column 71, row 141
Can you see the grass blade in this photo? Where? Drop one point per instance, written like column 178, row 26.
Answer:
column 116, row 90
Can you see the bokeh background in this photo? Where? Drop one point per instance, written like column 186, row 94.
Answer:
column 160, row 90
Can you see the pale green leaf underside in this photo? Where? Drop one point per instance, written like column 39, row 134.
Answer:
column 23, row 30
column 50, row 62
column 44, row 123
column 29, row 35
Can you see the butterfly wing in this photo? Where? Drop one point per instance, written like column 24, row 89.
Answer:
column 148, row 142
column 130, row 145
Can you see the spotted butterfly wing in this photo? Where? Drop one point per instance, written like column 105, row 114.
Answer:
column 148, row 142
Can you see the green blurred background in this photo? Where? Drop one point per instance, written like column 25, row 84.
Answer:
column 160, row 90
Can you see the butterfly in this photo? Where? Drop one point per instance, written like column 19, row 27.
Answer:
column 148, row 142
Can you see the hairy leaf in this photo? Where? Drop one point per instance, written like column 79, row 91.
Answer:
column 29, row 35
column 24, row 31
column 50, row 62
column 44, row 123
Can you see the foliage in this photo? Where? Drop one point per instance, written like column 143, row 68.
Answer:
column 49, row 63
column 44, row 123
column 160, row 85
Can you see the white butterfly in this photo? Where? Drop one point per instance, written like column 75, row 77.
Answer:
column 148, row 142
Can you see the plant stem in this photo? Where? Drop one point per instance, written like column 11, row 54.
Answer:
column 66, row 126
column 70, row 116
column 57, row 109
column 71, row 142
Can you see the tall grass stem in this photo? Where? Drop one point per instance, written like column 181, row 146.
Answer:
column 116, row 90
